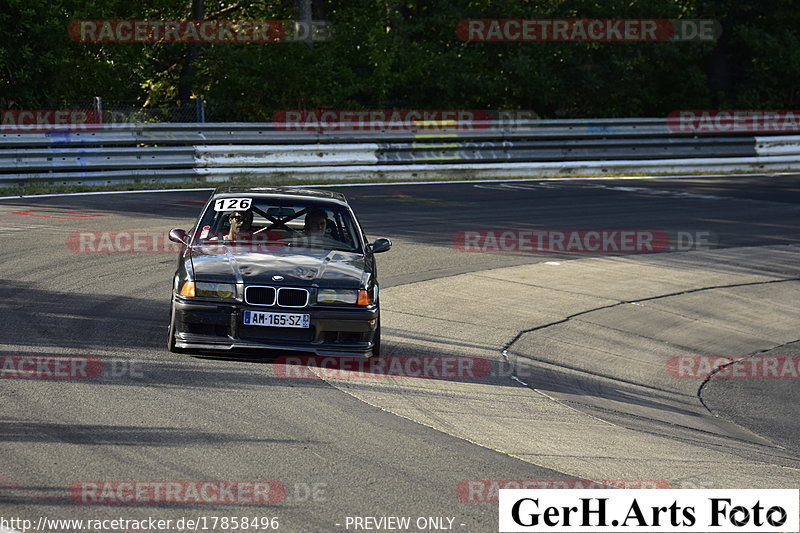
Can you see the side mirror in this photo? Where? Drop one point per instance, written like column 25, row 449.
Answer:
column 380, row 245
column 178, row 235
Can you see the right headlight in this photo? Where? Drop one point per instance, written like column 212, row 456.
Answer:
column 200, row 289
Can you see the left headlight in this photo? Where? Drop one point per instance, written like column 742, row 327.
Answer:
column 199, row 289
column 343, row 296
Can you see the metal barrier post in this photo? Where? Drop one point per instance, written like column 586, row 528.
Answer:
column 200, row 109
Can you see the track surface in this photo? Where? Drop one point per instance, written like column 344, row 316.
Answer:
column 168, row 417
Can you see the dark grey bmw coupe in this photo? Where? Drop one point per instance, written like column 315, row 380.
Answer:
column 276, row 270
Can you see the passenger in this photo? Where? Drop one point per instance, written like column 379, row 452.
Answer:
column 316, row 222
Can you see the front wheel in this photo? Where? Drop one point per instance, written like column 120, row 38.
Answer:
column 376, row 340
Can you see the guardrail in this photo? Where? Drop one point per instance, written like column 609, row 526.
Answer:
column 214, row 152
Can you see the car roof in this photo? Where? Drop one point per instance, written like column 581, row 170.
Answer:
column 292, row 192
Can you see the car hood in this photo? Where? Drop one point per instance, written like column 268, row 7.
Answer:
column 310, row 268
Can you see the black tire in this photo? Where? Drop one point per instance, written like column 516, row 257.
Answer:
column 376, row 340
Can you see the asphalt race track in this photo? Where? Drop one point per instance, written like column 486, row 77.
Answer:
column 590, row 338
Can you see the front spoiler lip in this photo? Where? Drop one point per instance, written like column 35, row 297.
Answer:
column 320, row 315
column 234, row 346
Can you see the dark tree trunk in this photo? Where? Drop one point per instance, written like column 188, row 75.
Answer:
column 189, row 70
column 719, row 75
column 304, row 18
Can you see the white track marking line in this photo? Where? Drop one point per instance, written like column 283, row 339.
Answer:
column 395, row 183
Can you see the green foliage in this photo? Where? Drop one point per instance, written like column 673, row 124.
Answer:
column 406, row 54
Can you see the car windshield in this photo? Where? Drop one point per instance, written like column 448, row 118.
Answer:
column 246, row 220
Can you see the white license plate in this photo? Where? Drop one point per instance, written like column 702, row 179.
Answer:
column 276, row 320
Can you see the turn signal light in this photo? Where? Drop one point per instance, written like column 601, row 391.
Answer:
column 364, row 298
column 188, row 289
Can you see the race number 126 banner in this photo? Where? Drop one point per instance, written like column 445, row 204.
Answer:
column 679, row 510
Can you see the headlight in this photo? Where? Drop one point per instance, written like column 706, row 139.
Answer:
column 200, row 289
column 343, row 296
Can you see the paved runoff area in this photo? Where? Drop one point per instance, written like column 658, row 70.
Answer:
column 593, row 386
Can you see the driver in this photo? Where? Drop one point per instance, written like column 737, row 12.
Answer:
column 240, row 221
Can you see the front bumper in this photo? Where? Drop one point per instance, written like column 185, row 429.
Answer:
column 218, row 326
